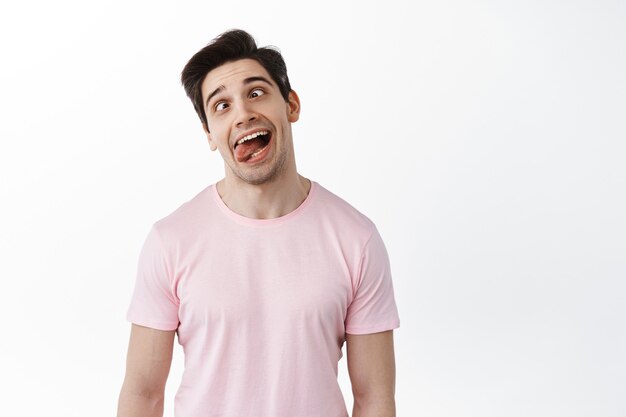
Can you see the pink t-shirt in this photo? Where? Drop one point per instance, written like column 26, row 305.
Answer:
column 262, row 305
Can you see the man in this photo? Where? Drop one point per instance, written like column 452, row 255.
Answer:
column 264, row 274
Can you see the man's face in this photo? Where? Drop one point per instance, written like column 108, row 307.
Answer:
column 241, row 99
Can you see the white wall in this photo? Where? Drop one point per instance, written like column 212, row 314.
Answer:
column 486, row 140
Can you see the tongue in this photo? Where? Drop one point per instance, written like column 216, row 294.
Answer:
column 243, row 151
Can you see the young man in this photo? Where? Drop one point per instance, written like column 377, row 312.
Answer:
column 264, row 274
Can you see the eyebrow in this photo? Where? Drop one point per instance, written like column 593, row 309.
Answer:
column 246, row 81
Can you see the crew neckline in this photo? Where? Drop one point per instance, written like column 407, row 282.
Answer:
column 249, row 221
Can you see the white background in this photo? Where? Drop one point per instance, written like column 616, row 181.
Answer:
column 485, row 139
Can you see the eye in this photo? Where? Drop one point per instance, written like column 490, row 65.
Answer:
column 257, row 91
column 220, row 106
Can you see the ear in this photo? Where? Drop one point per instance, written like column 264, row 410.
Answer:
column 212, row 144
column 294, row 107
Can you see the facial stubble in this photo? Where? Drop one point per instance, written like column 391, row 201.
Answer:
column 267, row 171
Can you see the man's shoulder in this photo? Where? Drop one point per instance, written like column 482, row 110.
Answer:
column 188, row 215
column 341, row 212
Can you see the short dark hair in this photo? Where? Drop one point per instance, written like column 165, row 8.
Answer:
column 231, row 45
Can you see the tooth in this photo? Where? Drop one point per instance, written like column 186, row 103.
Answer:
column 251, row 136
column 257, row 152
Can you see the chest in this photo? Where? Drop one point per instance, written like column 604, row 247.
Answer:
column 257, row 281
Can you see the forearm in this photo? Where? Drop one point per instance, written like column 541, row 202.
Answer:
column 369, row 407
column 137, row 405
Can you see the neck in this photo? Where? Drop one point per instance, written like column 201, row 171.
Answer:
column 264, row 201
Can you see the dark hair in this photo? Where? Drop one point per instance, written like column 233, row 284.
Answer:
column 231, row 46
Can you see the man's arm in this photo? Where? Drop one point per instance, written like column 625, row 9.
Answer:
column 147, row 367
column 372, row 370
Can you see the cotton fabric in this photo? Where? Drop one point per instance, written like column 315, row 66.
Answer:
column 262, row 306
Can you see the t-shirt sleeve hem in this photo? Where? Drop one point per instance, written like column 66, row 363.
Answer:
column 373, row 329
column 159, row 325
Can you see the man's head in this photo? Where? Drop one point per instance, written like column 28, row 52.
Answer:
column 231, row 46
column 243, row 97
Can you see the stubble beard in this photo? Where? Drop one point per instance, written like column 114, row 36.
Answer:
column 267, row 172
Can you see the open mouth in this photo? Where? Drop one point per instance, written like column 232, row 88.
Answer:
column 252, row 145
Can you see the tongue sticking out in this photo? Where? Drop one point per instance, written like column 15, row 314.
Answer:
column 243, row 151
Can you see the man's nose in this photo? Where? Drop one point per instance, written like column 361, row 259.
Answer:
column 245, row 114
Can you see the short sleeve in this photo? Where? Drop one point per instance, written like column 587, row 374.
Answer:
column 373, row 308
column 154, row 303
